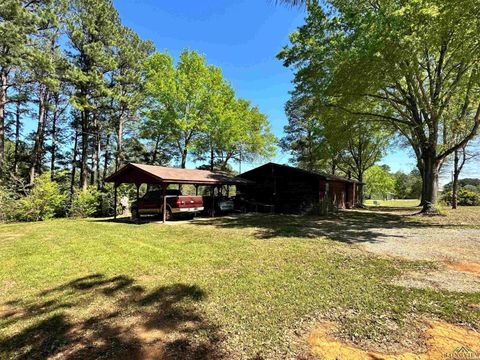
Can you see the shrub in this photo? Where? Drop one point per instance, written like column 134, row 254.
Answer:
column 465, row 197
column 42, row 202
column 85, row 202
column 7, row 204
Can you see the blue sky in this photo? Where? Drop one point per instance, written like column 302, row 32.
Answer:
column 242, row 37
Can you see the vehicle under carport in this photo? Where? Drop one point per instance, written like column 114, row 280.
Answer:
column 139, row 174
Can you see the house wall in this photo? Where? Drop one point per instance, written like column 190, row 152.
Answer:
column 287, row 191
column 338, row 193
column 292, row 191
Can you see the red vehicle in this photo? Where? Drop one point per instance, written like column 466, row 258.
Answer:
column 177, row 204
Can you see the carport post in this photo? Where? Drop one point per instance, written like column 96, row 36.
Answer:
column 196, row 189
column 115, row 201
column 164, row 212
column 138, row 198
column 213, row 201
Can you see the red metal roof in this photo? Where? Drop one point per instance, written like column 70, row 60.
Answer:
column 152, row 174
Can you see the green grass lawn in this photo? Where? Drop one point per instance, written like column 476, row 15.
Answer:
column 228, row 288
column 393, row 203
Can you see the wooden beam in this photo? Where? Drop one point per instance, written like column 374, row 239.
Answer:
column 213, row 201
column 164, row 211
column 138, row 199
column 115, row 201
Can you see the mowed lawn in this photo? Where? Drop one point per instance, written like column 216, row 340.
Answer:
column 243, row 287
column 393, row 203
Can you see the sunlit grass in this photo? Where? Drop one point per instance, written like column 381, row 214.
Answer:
column 233, row 287
column 393, row 203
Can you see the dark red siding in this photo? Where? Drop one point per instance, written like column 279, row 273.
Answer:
column 293, row 190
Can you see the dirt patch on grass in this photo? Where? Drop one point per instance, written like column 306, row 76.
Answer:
column 469, row 267
column 442, row 340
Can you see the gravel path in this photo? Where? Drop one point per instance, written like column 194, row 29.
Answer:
column 431, row 243
column 457, row 245
column 398, row 234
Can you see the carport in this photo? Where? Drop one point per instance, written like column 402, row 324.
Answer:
column 139, row 174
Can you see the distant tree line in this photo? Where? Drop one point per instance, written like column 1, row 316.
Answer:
column 97, row 96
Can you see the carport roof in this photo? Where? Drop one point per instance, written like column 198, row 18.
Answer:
column 151, row 174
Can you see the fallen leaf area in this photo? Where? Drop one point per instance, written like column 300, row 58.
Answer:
column 443, row 341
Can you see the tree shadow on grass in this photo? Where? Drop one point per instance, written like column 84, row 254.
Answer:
column 346, row 226
column 133, row 323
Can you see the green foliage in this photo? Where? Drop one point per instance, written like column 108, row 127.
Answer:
column 470, row 183
column 42, row 202
column 85, row 203
column 192, row 107
column 378, row 182
column 465, row 197
column 7, row 204
column 410, row 65
column 408, row 186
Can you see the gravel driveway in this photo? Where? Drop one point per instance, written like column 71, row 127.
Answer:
column 402, row 235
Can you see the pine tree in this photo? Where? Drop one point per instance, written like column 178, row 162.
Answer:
column 93, row 30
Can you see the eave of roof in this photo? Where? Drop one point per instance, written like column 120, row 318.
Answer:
column 307, row 172
column 167, row 175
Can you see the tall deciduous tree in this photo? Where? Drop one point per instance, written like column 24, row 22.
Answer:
column 379, row 182
column 366, row 144
column 248, row 138
column 192, row 106
column 179, row 96
column 415, row 64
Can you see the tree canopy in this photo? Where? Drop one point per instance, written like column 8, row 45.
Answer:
column 195, row 107
column 412, row 66
column 97, row 95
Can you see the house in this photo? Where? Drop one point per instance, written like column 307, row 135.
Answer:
column 293, row 190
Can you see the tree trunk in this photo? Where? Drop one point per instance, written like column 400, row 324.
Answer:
column 184, row 158
column 420, row 168
column 119, row 155
column 37, row 148
column 91, row 178
column 74, row 163
column 455, row 181
column 422, row 196
column 430, row 180
column 17, row 137
column 53, row 150
column 360, row 188
column 155, row 150
column 334, row 167
column 3, row 100
column 96, row 155
column 105, row 160
column 84, row 159
column 212, row 158
column 97, row 162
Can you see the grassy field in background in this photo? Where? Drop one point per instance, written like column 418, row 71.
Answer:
column 393, row 203
column 231, row 288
